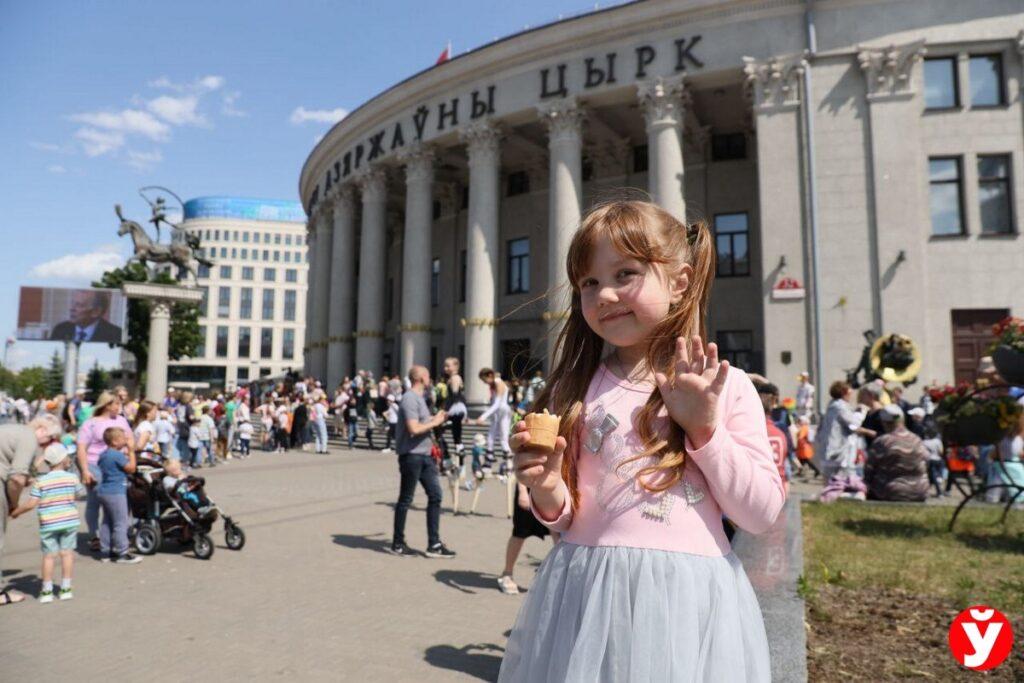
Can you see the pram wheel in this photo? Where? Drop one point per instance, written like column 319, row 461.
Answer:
column 148, row 538
column 202, row 546
column 234, row 536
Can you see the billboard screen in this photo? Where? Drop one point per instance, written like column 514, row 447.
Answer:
column 79, row 315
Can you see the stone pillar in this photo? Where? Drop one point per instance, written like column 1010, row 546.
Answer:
column 564, row 121
column 663, row 101
column 308, row 348
column 773, row 88
column 370, row 313
column 416, row 256
column 322, row 277
column 482, row 140
column 70, row 368
column 159, row 346
column 898, row 184
column 341, row 299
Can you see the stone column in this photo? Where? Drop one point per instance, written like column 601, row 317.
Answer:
column 773, row 88
column 322, row 276
column 308, row 349
column 482, row 140
column 370, row 314
column 70, row 368
column 416, row 256
column 564, row 121
column 159, row 346
column 663, row 101
column 341, row 299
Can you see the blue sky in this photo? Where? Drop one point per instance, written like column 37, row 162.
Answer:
column 101, row 98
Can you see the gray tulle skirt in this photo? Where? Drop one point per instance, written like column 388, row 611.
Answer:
column 615, row 614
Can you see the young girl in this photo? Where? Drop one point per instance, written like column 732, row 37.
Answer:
column 658, row 439
column 499, row 410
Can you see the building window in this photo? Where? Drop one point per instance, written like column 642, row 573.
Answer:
column 245, row 237
column 200, row 351
column 462, row 276
column 244, row 342
column 946, row 195
column 435, row 210
column 222, row 342
column 288, row 344
column 234, row 235
column 289, row 304
column 732, row 244
column 518, row 183
column 203, row 272
column 986, row 81
column 268, row 304
column 245, row 253
column 245, row 303
column 435, row 281
column 941, row 89
column 234, row 252
column 291, row 275
column 277, row 238
column 266, row 342
column 519, row 265
column 277, row 256
column 640, row 159
column 223, row 302
column 298, row 240
column 994, row 194
column 243, row 373
column 204, row 304
column 728, row 146
column 738, row 348
column 287, row 257
column 216, row 235
column 223, row 252
column 247, row 272
column 269, row 274
column 288, row 240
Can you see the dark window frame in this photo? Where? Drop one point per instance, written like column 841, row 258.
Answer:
column 435, row 282
column 266, row 340
column 1007, row 181
column 957, row 101
column 514, row 263
column 248, row 343
column 1001, row 77
column 960, row 194
column 732, row 248
column 730, row 354
column 517, row 183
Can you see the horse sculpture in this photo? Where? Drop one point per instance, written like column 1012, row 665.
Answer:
column 148, row 251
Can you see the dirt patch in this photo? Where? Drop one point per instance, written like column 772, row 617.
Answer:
column 885, row 634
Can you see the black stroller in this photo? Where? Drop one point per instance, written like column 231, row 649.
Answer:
column 160, row 514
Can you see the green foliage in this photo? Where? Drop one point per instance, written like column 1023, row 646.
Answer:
column 97, row 382
column 184, row 335
column 55, row 374
column 32, row 383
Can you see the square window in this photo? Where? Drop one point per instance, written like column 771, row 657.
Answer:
column 986, row 80
column 940, row 83
column 728, row 146
column 269, row 274
column 737, row 346
column 946, row 195
column 518, row 183
column 203, row 271
column 291, row 275
column 225, row 272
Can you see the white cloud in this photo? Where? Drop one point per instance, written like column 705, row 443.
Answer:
column 126, row 121
column 177, row 111
column 80, row 267
column 144, row 160
column 207, row 83
column 46, row 146
column 228, row 104
column 56, row 168
column 97, row 142
column 302, row 115
column 211, row 82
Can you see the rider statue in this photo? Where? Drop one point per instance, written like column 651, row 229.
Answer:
column 179, row 253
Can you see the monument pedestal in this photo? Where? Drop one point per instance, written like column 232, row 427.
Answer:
column 160, row 297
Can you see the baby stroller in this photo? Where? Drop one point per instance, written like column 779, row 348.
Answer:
column 187, row 516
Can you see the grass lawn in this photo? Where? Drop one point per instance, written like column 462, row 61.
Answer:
column 883, row 582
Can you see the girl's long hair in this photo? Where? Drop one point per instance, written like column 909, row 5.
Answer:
column 650, row 234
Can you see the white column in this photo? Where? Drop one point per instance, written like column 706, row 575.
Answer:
column 481, row 254
column 70, row 368
column 341, row 299
column 370, row 315
column 323, row 283
column 159, row 346
column 310, row 333
column 663, row 102
column 564, row 121
column 416, row 256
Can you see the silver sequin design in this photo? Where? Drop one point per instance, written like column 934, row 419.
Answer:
column 616, row 490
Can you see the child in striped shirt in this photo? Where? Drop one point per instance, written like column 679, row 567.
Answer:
column 53, row 494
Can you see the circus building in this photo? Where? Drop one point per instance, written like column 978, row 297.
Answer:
column 859, row 161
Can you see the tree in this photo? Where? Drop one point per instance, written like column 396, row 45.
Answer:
column 55, row 374
column 184, row 335
column 97, row 382
column 32, row 383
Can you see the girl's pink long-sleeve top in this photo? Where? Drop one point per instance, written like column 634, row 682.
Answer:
column 734, row 473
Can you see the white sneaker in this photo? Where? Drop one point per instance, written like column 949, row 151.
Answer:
column 46, row 597
column 66, row 594
column 507, row 585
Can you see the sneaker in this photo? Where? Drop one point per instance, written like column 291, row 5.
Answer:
column 507, row 585
column 66, row 594
column 46, row 597
column 400, row 549
column 127, row 558
column 440, row 551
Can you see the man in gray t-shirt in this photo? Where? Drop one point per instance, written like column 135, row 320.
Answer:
column 415, row 464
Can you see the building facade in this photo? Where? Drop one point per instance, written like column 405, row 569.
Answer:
column 874, row 147
column 253, row 315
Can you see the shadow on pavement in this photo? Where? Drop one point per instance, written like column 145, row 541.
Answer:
column 465, row 581
column 377, row 542
column 29, row 584
column 476, row 660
